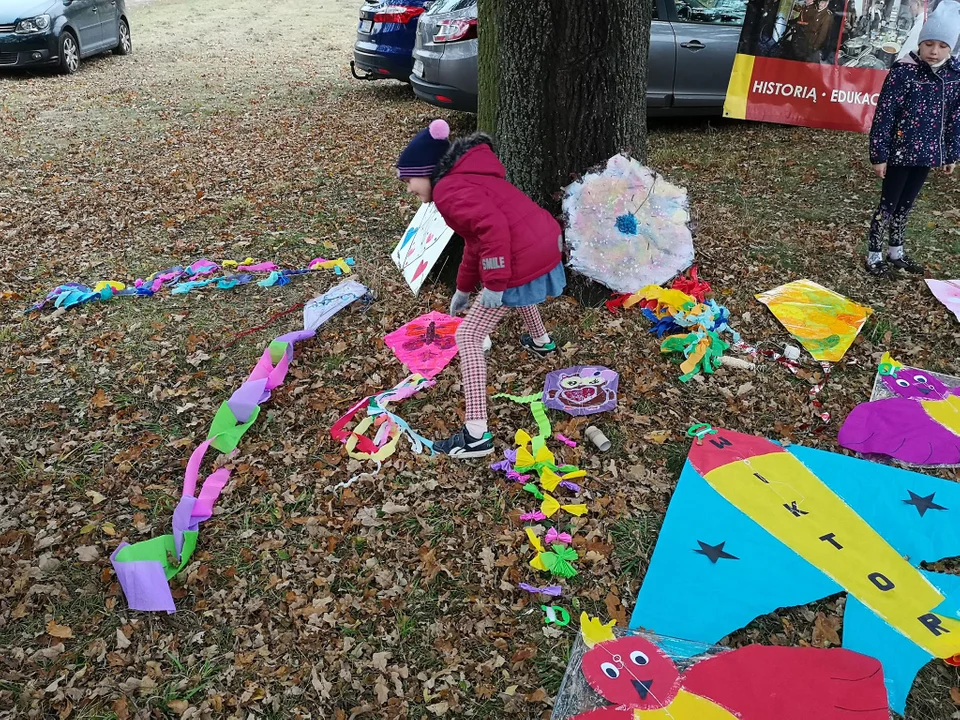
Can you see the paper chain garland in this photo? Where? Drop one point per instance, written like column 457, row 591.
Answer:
column 145, row 568
column 535, row 401
column 181, row 280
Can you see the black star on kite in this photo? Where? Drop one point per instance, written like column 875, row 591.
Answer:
column 922, row 504
column 714, row 552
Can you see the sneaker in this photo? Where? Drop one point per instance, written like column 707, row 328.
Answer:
column 906, row 263
column 464, row 446
column 541, row 350
column 877, row 268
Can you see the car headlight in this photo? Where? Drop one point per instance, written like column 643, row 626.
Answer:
column 30, row 26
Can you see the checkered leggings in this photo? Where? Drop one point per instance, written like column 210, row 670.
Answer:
column 480, row 322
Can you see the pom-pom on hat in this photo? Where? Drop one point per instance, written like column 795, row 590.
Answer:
column 423, row 153
column 942, row 26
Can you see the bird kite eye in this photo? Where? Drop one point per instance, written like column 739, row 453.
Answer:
column 610, row 670
column 903, row 383
column 570, row 382
column 639, row 658
column 919, row 378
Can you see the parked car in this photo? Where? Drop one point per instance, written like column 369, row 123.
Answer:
column 385, row 38
column 61, row 32
column 445, row 55
column 692, row 47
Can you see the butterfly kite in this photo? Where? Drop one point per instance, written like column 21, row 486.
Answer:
column 426, row 345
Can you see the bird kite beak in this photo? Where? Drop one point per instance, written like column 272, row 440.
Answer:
column 642, row 687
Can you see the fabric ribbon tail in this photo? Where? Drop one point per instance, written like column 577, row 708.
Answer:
column 209, row 493
column 182, row 522
column 144, row 584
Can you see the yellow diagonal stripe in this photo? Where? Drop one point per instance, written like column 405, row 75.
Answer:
column 780, row 494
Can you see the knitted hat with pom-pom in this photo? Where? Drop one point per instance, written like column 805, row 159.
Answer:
column 423, row 153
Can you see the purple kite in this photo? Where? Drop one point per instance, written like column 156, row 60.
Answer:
column 919, row 425
column 425, row 345
column 581, row 390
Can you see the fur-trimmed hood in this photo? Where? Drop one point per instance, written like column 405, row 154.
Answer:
column 459, row 148
column 508, row 240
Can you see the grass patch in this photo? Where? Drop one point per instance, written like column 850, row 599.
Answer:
column 551, row 662
column 633, row 541
column 880, row 329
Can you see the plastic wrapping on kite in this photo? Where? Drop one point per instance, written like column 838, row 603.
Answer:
column 576, row 696
column 824, row 322
column 913, row 417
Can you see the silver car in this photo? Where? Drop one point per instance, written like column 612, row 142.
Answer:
column 692, row 46
column 445, row 55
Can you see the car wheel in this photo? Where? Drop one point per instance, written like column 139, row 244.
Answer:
column 125, row 46
column 69, row 53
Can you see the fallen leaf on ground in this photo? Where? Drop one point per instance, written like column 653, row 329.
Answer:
column 59, row 631
column 439, row 708
column 825, row 630
column 100, row 399
column 88, row 553
column 658, row 437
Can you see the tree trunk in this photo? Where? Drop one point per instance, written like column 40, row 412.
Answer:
column 563, row 87
column 563, row 83
column 487, row 13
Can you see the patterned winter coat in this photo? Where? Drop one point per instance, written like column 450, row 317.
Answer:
column 917, row 122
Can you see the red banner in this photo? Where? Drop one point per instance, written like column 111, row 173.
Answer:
column 821, row 63
column 796, row 93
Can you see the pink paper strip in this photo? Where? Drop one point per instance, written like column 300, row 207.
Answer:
column 265, row 369
column 212, row 487
column 259, row 267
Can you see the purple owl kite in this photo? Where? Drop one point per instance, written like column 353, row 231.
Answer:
column 920, row 425
column 581, row 390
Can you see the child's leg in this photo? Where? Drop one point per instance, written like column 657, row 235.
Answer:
column 890, row 193
column 534, row 324
column 478, row 323
column 913, row 183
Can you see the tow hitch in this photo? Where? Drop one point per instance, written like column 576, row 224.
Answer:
column 353, row 71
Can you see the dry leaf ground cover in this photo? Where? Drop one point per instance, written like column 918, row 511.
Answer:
column 234, row 130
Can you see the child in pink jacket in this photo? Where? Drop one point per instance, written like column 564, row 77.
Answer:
column 512, row 251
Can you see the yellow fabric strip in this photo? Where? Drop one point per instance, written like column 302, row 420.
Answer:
column 946, row 412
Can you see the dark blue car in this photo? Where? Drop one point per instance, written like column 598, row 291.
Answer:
column 61, row 32
column 385, row 38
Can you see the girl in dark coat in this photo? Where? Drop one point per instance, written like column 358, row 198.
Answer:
column 916, row 127
column 511, row 248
